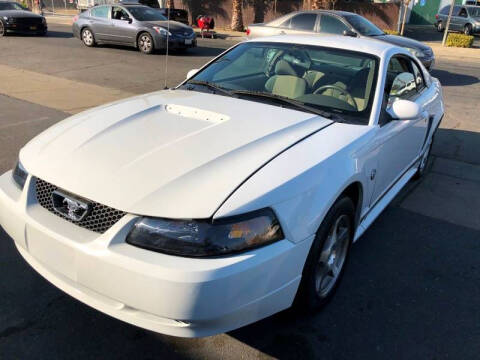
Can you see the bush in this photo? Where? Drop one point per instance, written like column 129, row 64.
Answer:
column 459, row 40
column 391, row 32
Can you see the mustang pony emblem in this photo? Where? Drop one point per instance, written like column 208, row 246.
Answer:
column 69, row 206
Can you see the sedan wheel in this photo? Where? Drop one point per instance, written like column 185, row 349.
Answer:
column 88, row 38
column 145, row 43
column 327, row 257
column 3, row 32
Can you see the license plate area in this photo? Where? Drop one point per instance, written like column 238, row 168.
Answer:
column 33, row 28
column 188, row 41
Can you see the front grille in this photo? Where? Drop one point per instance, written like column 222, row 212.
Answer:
column 27, row 21
column 100, row 219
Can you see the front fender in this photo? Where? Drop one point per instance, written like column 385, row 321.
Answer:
column 302, row 183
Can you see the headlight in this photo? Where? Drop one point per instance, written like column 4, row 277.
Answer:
column 162, row 31
column 20, row 175
column 197, row 238
column 416, row 52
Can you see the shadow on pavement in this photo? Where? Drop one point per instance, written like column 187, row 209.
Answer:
column 448, row 78
column 59, row 34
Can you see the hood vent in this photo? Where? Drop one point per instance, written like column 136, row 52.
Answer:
column 195, row 113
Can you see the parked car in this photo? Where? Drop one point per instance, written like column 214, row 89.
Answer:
column 179, row 15
column 325, row 22
column 132, row 25
column 464, row 18
column 200, row 209
column 14, row 18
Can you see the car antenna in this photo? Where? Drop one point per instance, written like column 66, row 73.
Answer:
column 166, row 55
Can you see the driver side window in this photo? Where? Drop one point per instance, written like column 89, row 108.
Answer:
column 119, row 14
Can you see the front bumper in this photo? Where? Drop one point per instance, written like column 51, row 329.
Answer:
column 167, row 294
column 175, row 42
column 26, row 28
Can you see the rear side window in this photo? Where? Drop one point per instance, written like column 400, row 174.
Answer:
column 100, row 12
column 456, row 10
column 445, row 10
column 332, row 25
column 303, row 22
column 463, row 12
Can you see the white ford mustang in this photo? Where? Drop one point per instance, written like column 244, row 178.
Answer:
column 201, row 209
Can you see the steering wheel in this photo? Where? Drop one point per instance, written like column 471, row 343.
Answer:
column 350, row 98
column 270, row 68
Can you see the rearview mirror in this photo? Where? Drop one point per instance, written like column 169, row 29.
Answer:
column 192, row 73
column 404, row 110
column 349, row 33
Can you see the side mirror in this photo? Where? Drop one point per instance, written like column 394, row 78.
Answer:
column 192, row 73
column 350, row 33
column 404, row 110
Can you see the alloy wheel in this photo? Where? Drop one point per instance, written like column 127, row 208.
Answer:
column 2, row 29
column 145, row 43
column 440, row 26
column 332, row 257
column 87, row 37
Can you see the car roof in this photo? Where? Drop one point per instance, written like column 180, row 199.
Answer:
column 366, row 45
column 320, row 11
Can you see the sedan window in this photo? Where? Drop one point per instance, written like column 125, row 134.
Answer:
column 144, row 13
column 10, row 6
column 463, row 13
column 363, row 26
column 304, row 22
column 332, row 25
column 100, row 12
column 119, row 14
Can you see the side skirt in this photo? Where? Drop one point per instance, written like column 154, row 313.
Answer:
column 382, row 204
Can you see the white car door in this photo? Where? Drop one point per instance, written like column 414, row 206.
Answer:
column 399, row 142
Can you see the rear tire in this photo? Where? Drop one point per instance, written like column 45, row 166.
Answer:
column 467, row 29
column 327, row 258
column 87, row 37
column 145, row 43
column 440, row 26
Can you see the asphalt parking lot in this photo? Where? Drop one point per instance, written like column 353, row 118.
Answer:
column 412, row 286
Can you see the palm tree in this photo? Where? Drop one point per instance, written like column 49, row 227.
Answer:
column 237, row 15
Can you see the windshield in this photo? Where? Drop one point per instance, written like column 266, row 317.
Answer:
column 474, row 11
column 332, row 80
column 144, row 13
column 10, row 6
column 363, row 26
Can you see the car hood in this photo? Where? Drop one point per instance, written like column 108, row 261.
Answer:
column 403, row 42
column 18, row 13
column 174, row 25
column 173, row 153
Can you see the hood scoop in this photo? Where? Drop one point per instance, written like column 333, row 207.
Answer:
column 195, row 113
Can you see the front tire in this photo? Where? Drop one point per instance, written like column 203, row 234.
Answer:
column 145, row 43
column 88, row 38
column 467, row 30
column 3, row 31
column 328, row 255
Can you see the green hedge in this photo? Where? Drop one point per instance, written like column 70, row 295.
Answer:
column 391, row 32
column 459, row 40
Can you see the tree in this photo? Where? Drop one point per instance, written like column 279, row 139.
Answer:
column 237, row 15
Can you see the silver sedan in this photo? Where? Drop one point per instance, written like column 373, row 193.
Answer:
column 132, row 25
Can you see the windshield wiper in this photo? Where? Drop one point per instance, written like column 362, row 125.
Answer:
column 211, row 86
column 284, row 100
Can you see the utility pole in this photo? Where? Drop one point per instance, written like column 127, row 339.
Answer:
column 404, row 17
column 448, row 23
